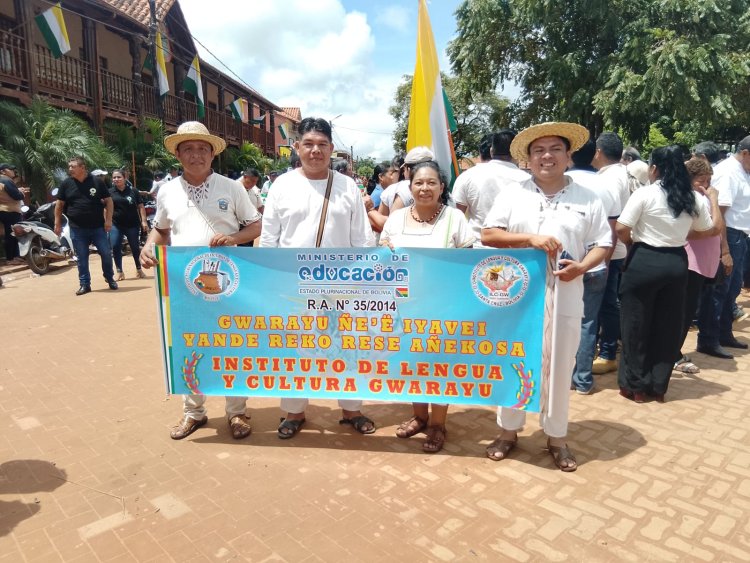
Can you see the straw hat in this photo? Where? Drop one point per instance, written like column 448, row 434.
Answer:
column 194, row 131
column 577, row 135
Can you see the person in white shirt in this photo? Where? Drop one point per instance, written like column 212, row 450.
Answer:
column 732, row 179
column 614, row 190
column 552, row 213
column 428, row 223
column 657, row 221
column 201, row 208
column 291, row 220
column 475, row 189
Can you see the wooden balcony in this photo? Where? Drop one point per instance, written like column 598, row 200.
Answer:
column 70, row 83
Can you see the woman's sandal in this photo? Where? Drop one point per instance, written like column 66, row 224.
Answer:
column 411, row 427
column 361, row 424
column 563, row 457
column 686, row 366
column 501, row 447
column 289, row 427
column 435, row 439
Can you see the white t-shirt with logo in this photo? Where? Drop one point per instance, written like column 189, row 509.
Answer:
column 196, row 213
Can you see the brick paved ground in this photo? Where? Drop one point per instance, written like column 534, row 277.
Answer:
column 88, row 472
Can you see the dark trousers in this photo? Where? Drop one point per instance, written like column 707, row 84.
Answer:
column 652, row 299
column 10, row 218
column 693, row 290
column 609, row 312
column 737, row 242
column 116, row 235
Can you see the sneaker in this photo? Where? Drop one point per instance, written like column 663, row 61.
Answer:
column 589, row 391
column 602, row 366
column 739, row 315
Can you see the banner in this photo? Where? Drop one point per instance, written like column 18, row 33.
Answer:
column 461, row 326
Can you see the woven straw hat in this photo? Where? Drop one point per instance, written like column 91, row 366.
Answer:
column 577, row 135
column 193, row 131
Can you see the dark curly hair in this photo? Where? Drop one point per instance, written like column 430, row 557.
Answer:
column 675, row 180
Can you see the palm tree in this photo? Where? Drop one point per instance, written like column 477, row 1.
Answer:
column 247, row 156
column 40, row 139
column 145, row 146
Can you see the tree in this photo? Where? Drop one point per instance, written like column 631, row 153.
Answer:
column 40, row 139
column 365, row 166
column 476, row 114
column 247, row 156
column 619, row 64
column 143, row 145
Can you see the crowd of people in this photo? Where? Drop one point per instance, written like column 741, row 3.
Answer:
column 640, row 250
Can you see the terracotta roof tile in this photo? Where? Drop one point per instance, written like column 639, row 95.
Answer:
column 138, row 9
column 295, row 114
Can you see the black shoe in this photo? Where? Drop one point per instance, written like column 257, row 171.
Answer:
column 83, row 289
column 715, row 351
column 112, row 284
column 734, row 343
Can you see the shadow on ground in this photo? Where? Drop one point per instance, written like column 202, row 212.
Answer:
column 24, row 477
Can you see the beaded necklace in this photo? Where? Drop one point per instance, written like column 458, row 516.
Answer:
column 418, row 220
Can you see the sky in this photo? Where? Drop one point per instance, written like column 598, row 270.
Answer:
column 337, row 59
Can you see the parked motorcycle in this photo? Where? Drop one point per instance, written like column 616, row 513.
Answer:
column 37, row 241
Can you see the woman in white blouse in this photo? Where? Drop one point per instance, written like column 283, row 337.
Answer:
column 428, row 223
column 657, row 220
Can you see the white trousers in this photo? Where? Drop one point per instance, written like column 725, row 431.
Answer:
column 194, row 406
column 554, row 421
column 296, row 406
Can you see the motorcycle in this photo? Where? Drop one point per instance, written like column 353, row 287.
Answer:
column 37, row 241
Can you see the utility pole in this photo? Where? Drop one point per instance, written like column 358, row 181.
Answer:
column 152, row 27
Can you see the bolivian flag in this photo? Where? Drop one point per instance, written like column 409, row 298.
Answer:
column 428, row 114
column 52, row 26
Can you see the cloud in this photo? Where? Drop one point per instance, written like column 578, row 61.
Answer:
column 395, row 17
column 312, row 55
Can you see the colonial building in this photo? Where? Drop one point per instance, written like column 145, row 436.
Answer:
column 105, row 76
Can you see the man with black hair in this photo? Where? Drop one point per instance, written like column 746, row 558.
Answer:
column 292, row 220
column 613, row 180
column 707, row 150
column 475, row 189
column 485, row 148
column 732, row 179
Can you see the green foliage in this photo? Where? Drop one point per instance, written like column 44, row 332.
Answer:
column 247, row 156
column 619, row 64
column 365, row 167
column 476, row 113
column 144, row 145
column 40, row 139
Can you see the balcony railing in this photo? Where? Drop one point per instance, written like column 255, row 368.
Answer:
column 67, row 82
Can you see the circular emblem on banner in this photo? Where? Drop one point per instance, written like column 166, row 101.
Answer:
column 212, row 276
column 500, row 281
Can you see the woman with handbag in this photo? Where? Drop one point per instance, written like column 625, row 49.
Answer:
column 428, row 223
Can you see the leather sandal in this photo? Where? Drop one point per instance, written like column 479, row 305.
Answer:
column 563, row 457
column 240, row 426
column 500, row 448
column 187, row 426
column 289, row 427
column 411, row 427
column 436, row 435
column 360, row 423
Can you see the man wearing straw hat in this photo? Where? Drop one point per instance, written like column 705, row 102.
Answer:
column 201, row 208
column 552, row 213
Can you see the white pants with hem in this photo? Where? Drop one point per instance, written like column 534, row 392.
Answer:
column 194, row 406
column 554, row 421
column 293, row 405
